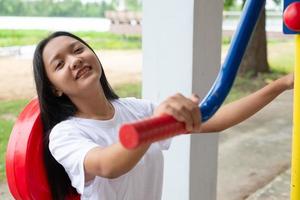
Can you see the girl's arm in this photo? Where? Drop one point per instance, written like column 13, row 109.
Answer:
column 237, row 111
column 112, row 161
column 115, row 160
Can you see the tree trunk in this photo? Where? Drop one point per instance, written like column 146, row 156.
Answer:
column 255, row 58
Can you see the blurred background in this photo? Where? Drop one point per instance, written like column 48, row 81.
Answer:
column 113, row 29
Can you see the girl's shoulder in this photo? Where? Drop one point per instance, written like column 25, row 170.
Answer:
column 133, row 101
column 66, row 126
column 136, row 105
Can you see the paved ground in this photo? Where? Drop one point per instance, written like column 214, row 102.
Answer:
column 254, row 157
column 278, row 189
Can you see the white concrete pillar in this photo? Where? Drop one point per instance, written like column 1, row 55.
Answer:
column 182, row 53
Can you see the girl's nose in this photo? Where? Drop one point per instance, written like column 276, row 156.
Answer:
column 75, row 63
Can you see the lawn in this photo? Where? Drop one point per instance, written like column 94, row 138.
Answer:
column 98, row 40
column 8, row 112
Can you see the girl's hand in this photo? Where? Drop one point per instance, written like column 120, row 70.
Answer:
column 287, row 81
column 182, row 109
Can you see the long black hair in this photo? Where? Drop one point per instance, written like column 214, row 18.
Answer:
column 55, row 109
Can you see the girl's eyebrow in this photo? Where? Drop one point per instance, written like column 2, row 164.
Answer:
column 70, row 46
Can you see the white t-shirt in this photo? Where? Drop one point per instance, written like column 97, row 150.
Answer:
column 71, row 139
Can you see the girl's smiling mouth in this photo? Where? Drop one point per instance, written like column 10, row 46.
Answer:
column 81, row 72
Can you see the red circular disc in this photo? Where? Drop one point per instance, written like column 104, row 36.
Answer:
column 291, row 16
column 25, row 170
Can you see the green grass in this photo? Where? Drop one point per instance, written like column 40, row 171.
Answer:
column 246, row 84
column 98, row 40
column 129, row 90
column 281, row 62
column 12, row 107
column 5, row 129
column 107, row 40
column 20, row 37
column 9, row 110
column 281, row 56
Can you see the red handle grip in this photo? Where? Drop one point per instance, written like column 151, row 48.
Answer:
column 150, row 130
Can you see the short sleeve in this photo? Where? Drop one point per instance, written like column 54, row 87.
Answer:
column 143, row 107
column 69, row 146
column 148, row 108
column 163, row 144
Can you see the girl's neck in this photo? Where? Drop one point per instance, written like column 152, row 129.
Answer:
column 94, row 107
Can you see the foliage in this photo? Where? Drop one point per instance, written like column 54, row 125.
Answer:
column 134, row 5
column 229, row 4
column 232, row 4
column 69, row 8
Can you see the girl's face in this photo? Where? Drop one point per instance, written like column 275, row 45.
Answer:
column 71, row 66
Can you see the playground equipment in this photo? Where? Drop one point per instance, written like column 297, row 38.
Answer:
column 292, row 26
column 133, row 134
column 25, row 170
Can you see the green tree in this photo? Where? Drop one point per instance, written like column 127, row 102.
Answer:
column 70, row 8
column 134, row 5
column 10, row 7
column 228, row 4
column 255, row 58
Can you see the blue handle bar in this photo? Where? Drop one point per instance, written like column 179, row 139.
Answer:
column 224, row 81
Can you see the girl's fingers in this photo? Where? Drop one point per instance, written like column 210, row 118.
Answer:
column 189, row 109
column 196, row 119
column 181, row 113
column 196, row 112
column 195, row 98
column 182, row 109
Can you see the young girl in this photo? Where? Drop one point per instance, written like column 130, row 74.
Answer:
column 81, row 115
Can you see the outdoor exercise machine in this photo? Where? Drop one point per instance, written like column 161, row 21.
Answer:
column 154, row 129
column 291, row 25
column 25, row 168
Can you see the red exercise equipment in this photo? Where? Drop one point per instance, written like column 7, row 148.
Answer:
column 153, row 129
column 291, row 15
column 25, row 170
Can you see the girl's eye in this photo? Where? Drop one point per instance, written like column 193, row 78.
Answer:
column 78, row 50
column 59, row 65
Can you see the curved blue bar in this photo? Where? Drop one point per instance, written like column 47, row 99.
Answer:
column 222, row 85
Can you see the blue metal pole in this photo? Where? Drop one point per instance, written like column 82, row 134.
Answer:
column 222, row 85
